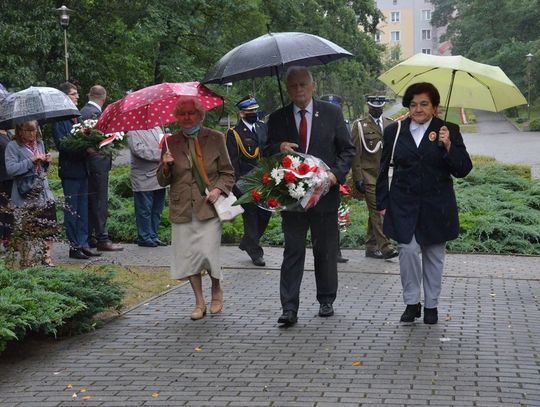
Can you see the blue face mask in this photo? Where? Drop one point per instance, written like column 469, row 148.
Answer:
column 192, row 132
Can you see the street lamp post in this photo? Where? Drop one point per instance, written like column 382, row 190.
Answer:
column 529, row 57
column 63, row 15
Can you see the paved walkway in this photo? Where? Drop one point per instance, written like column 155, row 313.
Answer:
column 485, row 351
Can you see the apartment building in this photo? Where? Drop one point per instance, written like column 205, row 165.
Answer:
column 408, row 30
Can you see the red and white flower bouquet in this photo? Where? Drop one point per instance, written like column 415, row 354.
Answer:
column 291, row 181
column 84, row 135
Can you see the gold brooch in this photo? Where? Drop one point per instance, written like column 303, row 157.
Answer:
column 432, row 136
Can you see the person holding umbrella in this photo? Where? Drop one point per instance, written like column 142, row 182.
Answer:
column 25, row 156
column 196, row 165
column 415, row 195
column 244, row 144
column 317, row 128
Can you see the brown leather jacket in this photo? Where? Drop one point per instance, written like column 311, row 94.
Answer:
column 185, row 198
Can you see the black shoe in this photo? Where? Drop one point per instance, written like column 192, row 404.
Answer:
column 160, row 242
column 259, row 261
column 288, row 318
column 147, row 243
column 341, row 259
column 390, row 254
column 411, row 313
column 77, row 254
column 430, row 316
column 89, row 253
column 326, row 310
column 374, row 254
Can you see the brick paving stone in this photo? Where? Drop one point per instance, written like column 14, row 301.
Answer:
column 489, row 311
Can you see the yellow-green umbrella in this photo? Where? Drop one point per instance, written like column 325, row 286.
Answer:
column 460, row 81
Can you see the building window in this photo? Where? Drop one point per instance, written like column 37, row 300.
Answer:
column 426, row 34
column 426, row 15
column 377, row 37
column 394, row 36
column 394, row 16
column 426, row 51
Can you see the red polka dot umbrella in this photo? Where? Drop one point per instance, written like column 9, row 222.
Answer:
column 152, row 106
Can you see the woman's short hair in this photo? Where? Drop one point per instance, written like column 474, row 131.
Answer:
column 419, row 88
column 189, row 99
column 19, row 131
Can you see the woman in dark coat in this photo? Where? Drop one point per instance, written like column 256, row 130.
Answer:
column 418, row 202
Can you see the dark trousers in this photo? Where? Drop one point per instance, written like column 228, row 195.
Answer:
column 98, row 196
column 6, row 219
column 76, row 211
column 324, row 237
column 148, row 208
column 255, row 222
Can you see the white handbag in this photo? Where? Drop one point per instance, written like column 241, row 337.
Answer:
column 225, row 209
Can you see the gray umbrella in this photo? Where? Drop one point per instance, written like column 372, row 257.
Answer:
column 3, row 91
column 36, row 103
column 271, row 54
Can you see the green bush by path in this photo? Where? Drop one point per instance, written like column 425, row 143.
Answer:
column 53, row 301
column 499, row 212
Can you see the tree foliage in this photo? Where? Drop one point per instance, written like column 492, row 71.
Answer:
column 496, row 32
column 129, row 44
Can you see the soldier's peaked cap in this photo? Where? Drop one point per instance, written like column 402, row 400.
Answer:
column 335, row 99
column 247, row 103
column 376, row 101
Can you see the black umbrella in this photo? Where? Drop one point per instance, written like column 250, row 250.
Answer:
column 36, row 103
column 271, row 54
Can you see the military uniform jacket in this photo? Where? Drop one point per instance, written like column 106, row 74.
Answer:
column 421, row 200
column 250, row 140
column 365, row 166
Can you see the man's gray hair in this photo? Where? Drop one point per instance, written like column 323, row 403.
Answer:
column 294, row 69
column 97, row 92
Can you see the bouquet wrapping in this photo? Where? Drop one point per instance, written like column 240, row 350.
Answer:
column 286, row 181
column 84, row 136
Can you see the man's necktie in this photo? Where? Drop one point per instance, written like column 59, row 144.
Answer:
column 379, row 123
column 302, row 131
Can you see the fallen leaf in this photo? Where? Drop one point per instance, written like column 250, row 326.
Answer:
column 198, row 349
column 492, row 294
column 448, row 318
column 445, row 339
column 82, row 390
column 69, row 386
column 155, row 394
column 356, row 363
column 74, row 396
column 86, row 398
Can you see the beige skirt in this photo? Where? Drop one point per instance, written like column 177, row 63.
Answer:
column 195, row 248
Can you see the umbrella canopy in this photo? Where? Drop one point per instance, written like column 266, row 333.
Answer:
column 152, row 106
column 271, row 53
column 460, row 81
column 3, row 91
column 36, row 103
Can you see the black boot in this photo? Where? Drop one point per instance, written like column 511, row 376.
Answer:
column 411, row 313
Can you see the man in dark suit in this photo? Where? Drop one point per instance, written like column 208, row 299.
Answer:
column 73, row 172
column 244, row 144
column 315, row 128
column 99, row 166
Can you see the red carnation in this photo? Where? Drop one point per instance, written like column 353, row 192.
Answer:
column 87, row 131
column 303, row 169
column 265, row 179
column 272, row 202
column 289, row 177
column 256, row 195
column 286, row 162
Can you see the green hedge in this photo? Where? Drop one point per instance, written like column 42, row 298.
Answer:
column 53, row 301
column 499, row 212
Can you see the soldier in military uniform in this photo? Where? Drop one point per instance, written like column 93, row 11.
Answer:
column 244, row 143
column 337, row 100
column 367, row 136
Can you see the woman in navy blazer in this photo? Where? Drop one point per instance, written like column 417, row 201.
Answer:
column 418, row 204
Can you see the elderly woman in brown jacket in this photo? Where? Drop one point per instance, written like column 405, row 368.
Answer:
column 196, row 165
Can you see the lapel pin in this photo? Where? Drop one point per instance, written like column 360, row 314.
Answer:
column 316, row 114
column 432, row 136
column 365, row 124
